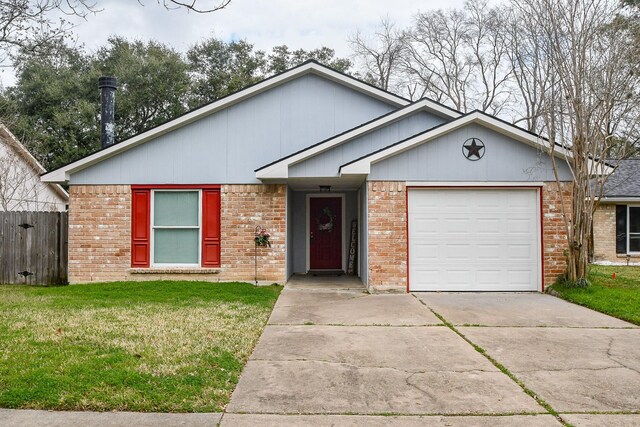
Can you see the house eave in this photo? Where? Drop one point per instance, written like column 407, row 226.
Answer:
column 619, row 199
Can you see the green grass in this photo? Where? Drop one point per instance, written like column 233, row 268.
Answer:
column 619, row 297
column 130, row 346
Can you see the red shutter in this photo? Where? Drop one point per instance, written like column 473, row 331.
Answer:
column 211, row 227
column 140, row 227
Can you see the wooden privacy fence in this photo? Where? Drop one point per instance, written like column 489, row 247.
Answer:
column 33, row 248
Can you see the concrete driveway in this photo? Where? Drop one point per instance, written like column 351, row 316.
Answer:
column 335, row 355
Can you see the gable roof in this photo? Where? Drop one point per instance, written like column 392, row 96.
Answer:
column 624, row 182
column 280, row 168
column 11, row 140
column 309, row 67
column 363, row 164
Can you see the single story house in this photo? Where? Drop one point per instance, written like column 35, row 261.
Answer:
column 343, row 175
column 20, row 186
column 616, row 222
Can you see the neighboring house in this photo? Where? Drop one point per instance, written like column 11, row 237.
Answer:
column 20, row 186
column 443, row 200
column 616, row 222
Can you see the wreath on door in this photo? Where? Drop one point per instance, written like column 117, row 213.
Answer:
column 325, row 219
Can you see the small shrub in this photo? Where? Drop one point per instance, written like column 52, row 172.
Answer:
column 564, row 281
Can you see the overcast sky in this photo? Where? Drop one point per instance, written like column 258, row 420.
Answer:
column 304, row 24
column 297, row 23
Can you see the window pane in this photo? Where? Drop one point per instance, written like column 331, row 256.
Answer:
column 634, row 219
column 176, row 246
column 634, row 243
column 175, row 208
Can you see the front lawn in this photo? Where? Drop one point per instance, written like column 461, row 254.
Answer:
column 619, row 297
column 129, row 346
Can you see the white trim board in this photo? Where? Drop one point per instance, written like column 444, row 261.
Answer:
column 363, row 165
column 153, row 227
column 474, row 184
column 631, row 200
column 280, row 169
column 62, row 174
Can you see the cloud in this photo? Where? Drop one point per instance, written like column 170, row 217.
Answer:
column 304, row 24
column 307, row 24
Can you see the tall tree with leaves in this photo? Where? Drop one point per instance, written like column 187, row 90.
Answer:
column 54, row 107
column 281, row 59
column 153, row 83
column 218, row 68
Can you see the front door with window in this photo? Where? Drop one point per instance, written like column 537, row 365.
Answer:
column 325, row 233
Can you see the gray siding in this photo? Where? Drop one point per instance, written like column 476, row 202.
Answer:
column 289, row 236
column 442, row 160
column 226, row 147
column 299, row 224
column 327, row 163
column 363, row 252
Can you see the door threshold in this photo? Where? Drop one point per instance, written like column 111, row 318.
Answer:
column 325, row 272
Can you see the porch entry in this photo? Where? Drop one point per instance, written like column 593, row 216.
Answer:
column 325, row 232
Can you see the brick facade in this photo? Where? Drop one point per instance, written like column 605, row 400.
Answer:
column 100, row 235
column 243, row 207
column 99, row 232
column 387, row 243
column 387, row 223
column 604, row 233
column 554, row 229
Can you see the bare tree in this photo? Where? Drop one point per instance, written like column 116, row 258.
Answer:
column 32, row 24
column 589, row 102
column 36, row 25
column 198, row 6
column 530, row 69
column 17, row 188
column 379, row 57
column 459, row 57
column 19, row 182
column 436, row 59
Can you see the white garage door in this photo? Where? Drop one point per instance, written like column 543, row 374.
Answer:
column 474, row 240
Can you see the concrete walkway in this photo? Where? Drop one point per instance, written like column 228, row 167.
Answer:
column 335, row 355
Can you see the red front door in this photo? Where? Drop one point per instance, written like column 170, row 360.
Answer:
column 325, row 233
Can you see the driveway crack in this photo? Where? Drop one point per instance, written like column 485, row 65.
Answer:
column 500, row 366
column 613, row 358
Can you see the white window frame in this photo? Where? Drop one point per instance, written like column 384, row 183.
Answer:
column 629, row 206
column 152, row 263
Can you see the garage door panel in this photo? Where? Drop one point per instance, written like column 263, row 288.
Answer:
column 488, row 225
column 521, row 252
column 473, row 239
column 489, row 252
column 520, row 225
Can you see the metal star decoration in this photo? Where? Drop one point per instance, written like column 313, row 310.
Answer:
column 474, row 149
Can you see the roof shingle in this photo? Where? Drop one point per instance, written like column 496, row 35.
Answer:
column 625, row 180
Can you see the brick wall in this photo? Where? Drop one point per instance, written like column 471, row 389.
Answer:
column 100, row 235
column 243, row 207
column 604, row 233
column 387, row 243
column 554, row 229
column 388, row 238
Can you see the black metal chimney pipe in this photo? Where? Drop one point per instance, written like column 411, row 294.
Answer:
column 108, row 86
